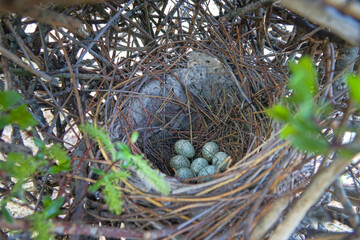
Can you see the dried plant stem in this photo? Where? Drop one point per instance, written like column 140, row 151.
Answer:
column 345, row 27
column 18, row 61
column 272, row 215
column 322, row 180
column 345, row 201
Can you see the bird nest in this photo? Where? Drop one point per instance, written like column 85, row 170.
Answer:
column 201, row 93
column 196, row 70
column 198, row 98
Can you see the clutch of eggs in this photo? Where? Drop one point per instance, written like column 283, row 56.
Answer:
column 201, row 165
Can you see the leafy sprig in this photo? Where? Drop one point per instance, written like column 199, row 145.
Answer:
column 145, row 172
column 12, row 112
column 111, row 183
column 300, row 112
column 23, row 167
column 100, row 136
column 112, row 180
column 40, row 221
column 55, row 153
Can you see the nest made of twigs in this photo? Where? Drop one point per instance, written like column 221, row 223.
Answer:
column 132, row 66
column 232, row 116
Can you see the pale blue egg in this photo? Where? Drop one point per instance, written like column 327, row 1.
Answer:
column 185, row 148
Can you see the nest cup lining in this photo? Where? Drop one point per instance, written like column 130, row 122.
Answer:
column 200, row 103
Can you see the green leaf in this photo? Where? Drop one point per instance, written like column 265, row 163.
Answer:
column 39, row 143
column 306, row 110
column 96, row 185
column 287, row 131
column 304, row 125
column 5, row 120
column 53, row 208
column 98, row 171
column 354, row 87
column 122, row 147
column 134, row 137
column 311, row 143
column 59, row 168
column 113, row 195
column 303, row 80
column 101, row 136
column 279, row 112
column 126, row 163
column 123, row 152
column 41, row 227
column 22, row 117
column 150, row 175
column 54, row 170
column 8, row 99
column 39, row 156
column 122, row 155
column 5, row 213
column 19, row 166
column 111, row 182
column 47, row 201
column 57, row 153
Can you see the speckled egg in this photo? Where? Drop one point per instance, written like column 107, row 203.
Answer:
column 198, row 164
column 184, row 148
column 209, row 150
column 209, row 170
column 185, row 173
column 219, row 158
column 179, row 161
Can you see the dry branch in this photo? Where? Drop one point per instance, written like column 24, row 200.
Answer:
column 66, row 228
column 6, row 53
column 351, row 7
column 272, row 215
column 7, row 148
column 348, row 206
column 344, row 26
column 242, row 12
column 321, row 181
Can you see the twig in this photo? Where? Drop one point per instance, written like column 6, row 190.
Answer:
column 272, row 214
column 305, row 25
column 254, row 210
column 73, row 80
column 80, row 188
column 27, row 52
column 345, row 27
column 9, row 147
column 76, row 229
column 346, row 59
column 103, row 30
column 351, row 7
column 4, row 62
column 241, row 12
column 348, row 206
column 322, row 180
column 18, row 61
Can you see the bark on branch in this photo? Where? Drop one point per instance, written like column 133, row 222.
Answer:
column 346, row 27
column 322, row 180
